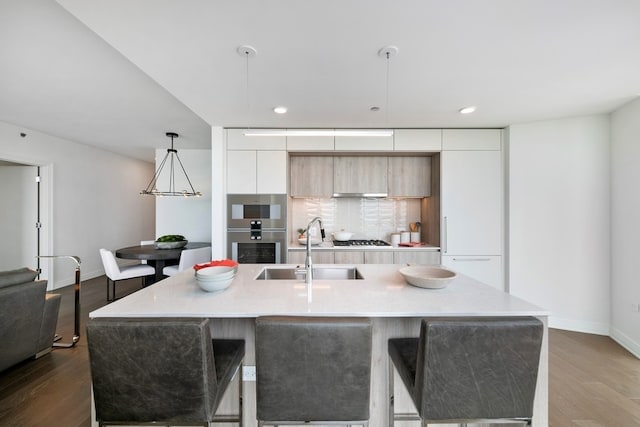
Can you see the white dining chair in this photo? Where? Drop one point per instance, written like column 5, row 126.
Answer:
column 116, row 273
column 188, row 258
column 144, row 243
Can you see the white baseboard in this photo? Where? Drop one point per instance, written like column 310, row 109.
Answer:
column 579, row 326
column 84, row 275
column 632, row 346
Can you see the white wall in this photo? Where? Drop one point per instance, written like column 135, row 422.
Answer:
column 18, row 216
column 218, row 193
column 189, row 216
column 559, row 218
column 94, row 198
column 625, row 225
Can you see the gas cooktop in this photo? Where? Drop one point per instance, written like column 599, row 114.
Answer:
column 360, row 243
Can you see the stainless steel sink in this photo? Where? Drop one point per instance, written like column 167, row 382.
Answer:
column 319, row 273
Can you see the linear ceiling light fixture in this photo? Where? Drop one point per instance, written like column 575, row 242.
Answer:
column 319, row 132
column 172, row 156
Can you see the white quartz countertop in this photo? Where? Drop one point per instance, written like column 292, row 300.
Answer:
column 382, row 293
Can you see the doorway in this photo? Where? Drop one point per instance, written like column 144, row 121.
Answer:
column 22, row 232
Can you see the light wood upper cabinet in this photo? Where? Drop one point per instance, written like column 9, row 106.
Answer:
column 409, row 176
column 311, row 176
column 359, row 174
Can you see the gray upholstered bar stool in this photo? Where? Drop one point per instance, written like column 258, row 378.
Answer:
column 472, row 369
column 161, row 371
column 313, row 369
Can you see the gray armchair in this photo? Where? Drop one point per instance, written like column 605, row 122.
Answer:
column 28, row 316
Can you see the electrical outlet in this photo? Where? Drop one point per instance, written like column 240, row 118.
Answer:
column 248, row 373
column 635, row 307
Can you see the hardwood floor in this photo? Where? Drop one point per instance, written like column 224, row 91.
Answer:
column 592, row 380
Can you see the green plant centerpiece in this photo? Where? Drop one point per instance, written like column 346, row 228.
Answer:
column 171, row 241
column 301, row 232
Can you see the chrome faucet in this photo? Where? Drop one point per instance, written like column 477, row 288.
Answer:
column 308, row 265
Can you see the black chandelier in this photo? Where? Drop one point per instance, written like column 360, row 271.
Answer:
column 172, row 155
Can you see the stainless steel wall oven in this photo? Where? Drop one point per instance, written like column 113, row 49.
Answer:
column 256, row 228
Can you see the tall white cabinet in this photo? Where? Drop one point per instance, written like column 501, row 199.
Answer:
column 472, row 236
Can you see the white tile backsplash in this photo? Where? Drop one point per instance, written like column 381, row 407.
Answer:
column 366, row 218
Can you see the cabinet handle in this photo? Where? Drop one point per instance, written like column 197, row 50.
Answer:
column 444, row 240
column 472, row 259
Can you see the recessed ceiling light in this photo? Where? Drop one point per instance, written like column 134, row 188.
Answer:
column 280, row 110
column 467, row 110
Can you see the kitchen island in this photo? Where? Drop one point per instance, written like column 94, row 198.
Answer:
column 394, row 307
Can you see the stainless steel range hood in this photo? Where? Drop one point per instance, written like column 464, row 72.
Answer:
column 359, row 195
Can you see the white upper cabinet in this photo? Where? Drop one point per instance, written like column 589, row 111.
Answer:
column 310, row 143
column 271, row 172
column 364, row 143
column 241, row 172
column 471, row 139
column 471, row 205
column 256, row 164
column 417, row 140
column 237, row 140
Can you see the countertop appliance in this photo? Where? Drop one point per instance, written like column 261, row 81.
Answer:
column 372, row 242
column 256, row 228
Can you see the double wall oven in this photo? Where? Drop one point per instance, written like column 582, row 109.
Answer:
column 256, row 228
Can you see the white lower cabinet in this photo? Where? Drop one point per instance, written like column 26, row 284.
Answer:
column 486, row 269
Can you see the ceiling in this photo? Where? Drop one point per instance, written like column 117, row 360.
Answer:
column 119, row 73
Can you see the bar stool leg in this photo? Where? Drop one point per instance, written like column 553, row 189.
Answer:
column 390, row 394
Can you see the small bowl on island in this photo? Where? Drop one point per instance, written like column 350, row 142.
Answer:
column 217, row 278
column 428, row 277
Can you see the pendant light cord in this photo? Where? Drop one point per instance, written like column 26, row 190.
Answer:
column 247, row 90
column 386, row 109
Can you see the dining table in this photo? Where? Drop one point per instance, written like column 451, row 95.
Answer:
column 156, row 257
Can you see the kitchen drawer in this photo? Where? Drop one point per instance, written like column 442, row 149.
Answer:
column 317, row 257
column 416, row 257
column 348, row 257
column 378, row 257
